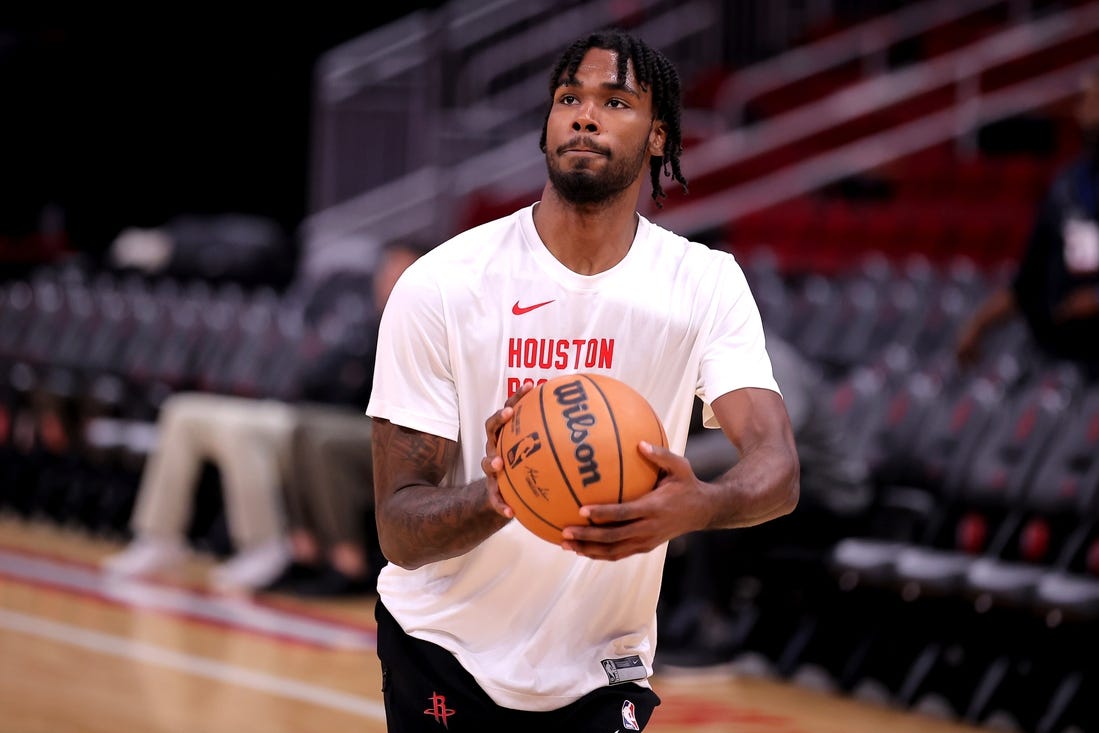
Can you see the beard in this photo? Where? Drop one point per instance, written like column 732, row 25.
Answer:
column 583, row 185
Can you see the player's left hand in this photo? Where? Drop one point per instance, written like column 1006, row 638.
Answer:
column 676, row 506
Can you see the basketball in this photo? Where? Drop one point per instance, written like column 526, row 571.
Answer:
column 573, row 441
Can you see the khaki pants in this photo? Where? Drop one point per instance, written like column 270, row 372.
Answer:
column 330, row 484
column 311, row 462
column 248, row 440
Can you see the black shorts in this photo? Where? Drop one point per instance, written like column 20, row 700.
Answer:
column 426, row 689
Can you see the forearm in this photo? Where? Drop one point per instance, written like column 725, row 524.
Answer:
column 420, row 523
column 763, row 485
column 999, row 306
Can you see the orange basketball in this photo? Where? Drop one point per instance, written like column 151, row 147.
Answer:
column 573, row 441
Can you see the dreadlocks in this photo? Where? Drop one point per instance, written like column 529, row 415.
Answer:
column 653, row 71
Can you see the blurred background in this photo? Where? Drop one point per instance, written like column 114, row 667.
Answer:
column 112, row 125
column 877, row 167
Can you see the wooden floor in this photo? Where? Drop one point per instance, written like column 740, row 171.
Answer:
column 82, row 652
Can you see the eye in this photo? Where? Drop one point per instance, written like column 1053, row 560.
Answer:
column 616, row 103
column 567, row 99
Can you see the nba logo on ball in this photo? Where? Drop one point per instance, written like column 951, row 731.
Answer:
column 527, row 445
column 629, row 716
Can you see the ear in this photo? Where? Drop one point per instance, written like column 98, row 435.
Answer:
column 658, row 135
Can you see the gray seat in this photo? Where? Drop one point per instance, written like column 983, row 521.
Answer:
column 1054, row 523
column 926, row 474
column 990, row 490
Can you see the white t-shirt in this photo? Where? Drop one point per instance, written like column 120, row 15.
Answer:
column 539, row 627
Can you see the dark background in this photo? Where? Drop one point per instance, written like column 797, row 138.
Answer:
column 122, row 124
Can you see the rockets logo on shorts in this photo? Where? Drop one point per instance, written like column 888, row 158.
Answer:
column 439, row 710
column 629, row 716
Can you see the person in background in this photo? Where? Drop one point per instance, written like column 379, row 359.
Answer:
column 329, row 483
column 264, row 449
column 1056, row 284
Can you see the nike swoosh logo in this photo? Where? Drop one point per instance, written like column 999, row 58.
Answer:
column 520, row 310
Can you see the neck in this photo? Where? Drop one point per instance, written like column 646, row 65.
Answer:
column 587, row 239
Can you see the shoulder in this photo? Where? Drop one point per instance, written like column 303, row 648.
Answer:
column 680, row 248
column 693, row 261
column 472, row 247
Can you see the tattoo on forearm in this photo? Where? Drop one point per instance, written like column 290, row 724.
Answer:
column 431, row 521
column 414, row 450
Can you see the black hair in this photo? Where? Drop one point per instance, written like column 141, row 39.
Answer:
column 654, row 72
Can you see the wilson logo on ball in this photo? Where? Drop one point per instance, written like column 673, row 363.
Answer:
column 573, row 440
column 577, row 421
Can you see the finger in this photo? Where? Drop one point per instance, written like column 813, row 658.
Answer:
column 664, row 458
column 496, row 501
column 604, row 550
column 604, row 514
column 519, row 394
column 599, row 535
column 596, row 552
column 496, row 421
column 492, row 465
column 499, row 418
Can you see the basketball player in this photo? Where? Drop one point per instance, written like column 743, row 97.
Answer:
column 482, row 625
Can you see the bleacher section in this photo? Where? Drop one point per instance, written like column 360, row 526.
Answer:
column 964, row 589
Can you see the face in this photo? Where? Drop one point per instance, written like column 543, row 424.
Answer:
column 600, row 131
column 1087, row 109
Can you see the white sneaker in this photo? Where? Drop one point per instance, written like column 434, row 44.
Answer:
column 252, row 568
column 147, row 555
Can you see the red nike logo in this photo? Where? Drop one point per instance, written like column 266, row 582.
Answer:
column 520, row 310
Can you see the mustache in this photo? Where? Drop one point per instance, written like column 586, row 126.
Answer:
column 583, row 142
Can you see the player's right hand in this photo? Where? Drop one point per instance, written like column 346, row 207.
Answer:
column 492, row 463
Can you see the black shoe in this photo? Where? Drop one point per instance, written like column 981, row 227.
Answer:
column 294, row 573
column 331, row 583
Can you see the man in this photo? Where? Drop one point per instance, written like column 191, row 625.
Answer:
column 1056, row 285
column 481, row 625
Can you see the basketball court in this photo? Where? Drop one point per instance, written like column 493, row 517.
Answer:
column 80, row 651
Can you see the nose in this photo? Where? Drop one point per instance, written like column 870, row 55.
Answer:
column 585, row 119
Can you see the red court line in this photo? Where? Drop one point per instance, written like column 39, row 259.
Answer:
column 62, row 590
column 287, row 606
column 95, row 594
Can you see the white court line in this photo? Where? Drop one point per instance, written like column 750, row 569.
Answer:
column 233, row 612
column 210, row 669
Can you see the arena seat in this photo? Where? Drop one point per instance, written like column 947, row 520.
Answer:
column 926, row 480
column 1053, row 516
column 989, row 485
